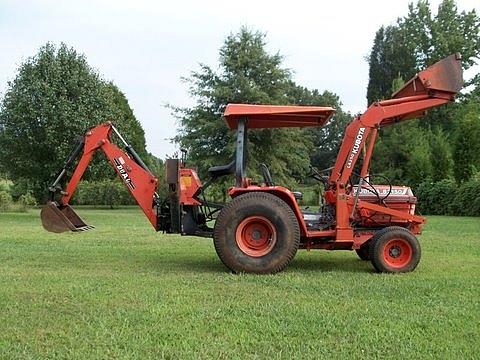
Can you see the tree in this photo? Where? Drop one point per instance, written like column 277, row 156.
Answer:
column 326, row 139
column 157, row 167
column 391, row 61
column 403, row 154
column 467, row 142
column 247, row 74
column 441, row 156
column 54, row 98
column 451, row 32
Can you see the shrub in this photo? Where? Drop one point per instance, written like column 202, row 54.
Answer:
column 6, row 200
column 111, row 192
column 27, row 199
column 446, row 197
column 467, row 199
column 310, row 195
column 21, row 187
column 5, row 185
column 435, row 198
column 7, row 203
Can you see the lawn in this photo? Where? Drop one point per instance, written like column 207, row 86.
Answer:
column 124, row 291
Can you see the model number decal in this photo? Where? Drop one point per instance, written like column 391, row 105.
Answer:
column 123, row 173
column 356, row 147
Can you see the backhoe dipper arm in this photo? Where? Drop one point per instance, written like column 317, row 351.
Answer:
column 128, row 165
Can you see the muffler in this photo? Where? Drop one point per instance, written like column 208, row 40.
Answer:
column 60, row 218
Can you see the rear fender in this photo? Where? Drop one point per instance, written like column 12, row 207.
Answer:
column 279, row 191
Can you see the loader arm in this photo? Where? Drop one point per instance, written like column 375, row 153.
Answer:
column 130, row 168
column 432, row 87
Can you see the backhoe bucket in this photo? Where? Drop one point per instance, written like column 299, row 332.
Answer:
column 60, row 218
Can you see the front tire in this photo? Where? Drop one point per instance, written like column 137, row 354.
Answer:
column 395, row 250
column 256, row 233
column 364, row 252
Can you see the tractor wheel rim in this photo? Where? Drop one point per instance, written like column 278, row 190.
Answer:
column 256, row 236
column 397, row 253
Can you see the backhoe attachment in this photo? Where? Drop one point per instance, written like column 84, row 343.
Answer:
column 57, row 216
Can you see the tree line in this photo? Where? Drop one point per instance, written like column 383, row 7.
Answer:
column 56, row 95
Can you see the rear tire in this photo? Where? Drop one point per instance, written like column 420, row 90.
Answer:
column 395, row 250
column 256, row 233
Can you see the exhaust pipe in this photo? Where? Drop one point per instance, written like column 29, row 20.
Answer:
column 60, row 218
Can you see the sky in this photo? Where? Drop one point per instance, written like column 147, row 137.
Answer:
column 145, row 47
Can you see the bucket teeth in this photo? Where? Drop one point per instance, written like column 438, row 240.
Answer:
column 85, row 228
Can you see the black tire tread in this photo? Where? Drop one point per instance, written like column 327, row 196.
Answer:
column 229, row 210
column 376, row 242
column 362, row 253
column 366, row 256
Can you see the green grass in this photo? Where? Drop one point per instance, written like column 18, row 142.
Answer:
column 124, row 291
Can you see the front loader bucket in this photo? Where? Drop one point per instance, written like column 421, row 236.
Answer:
column 445, row 75
column 60, row 218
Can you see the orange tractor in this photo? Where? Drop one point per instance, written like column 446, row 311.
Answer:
column 263, row 226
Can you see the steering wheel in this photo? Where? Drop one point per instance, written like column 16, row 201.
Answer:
column 319, row 174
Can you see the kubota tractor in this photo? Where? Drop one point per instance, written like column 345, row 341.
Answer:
column 261, row 228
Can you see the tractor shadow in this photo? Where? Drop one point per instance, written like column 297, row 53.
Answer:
column 180, row 264
column 211, row 264
column 344, row 264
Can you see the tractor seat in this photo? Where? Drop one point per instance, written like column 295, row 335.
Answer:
column 298, row 195
column 221, row 170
